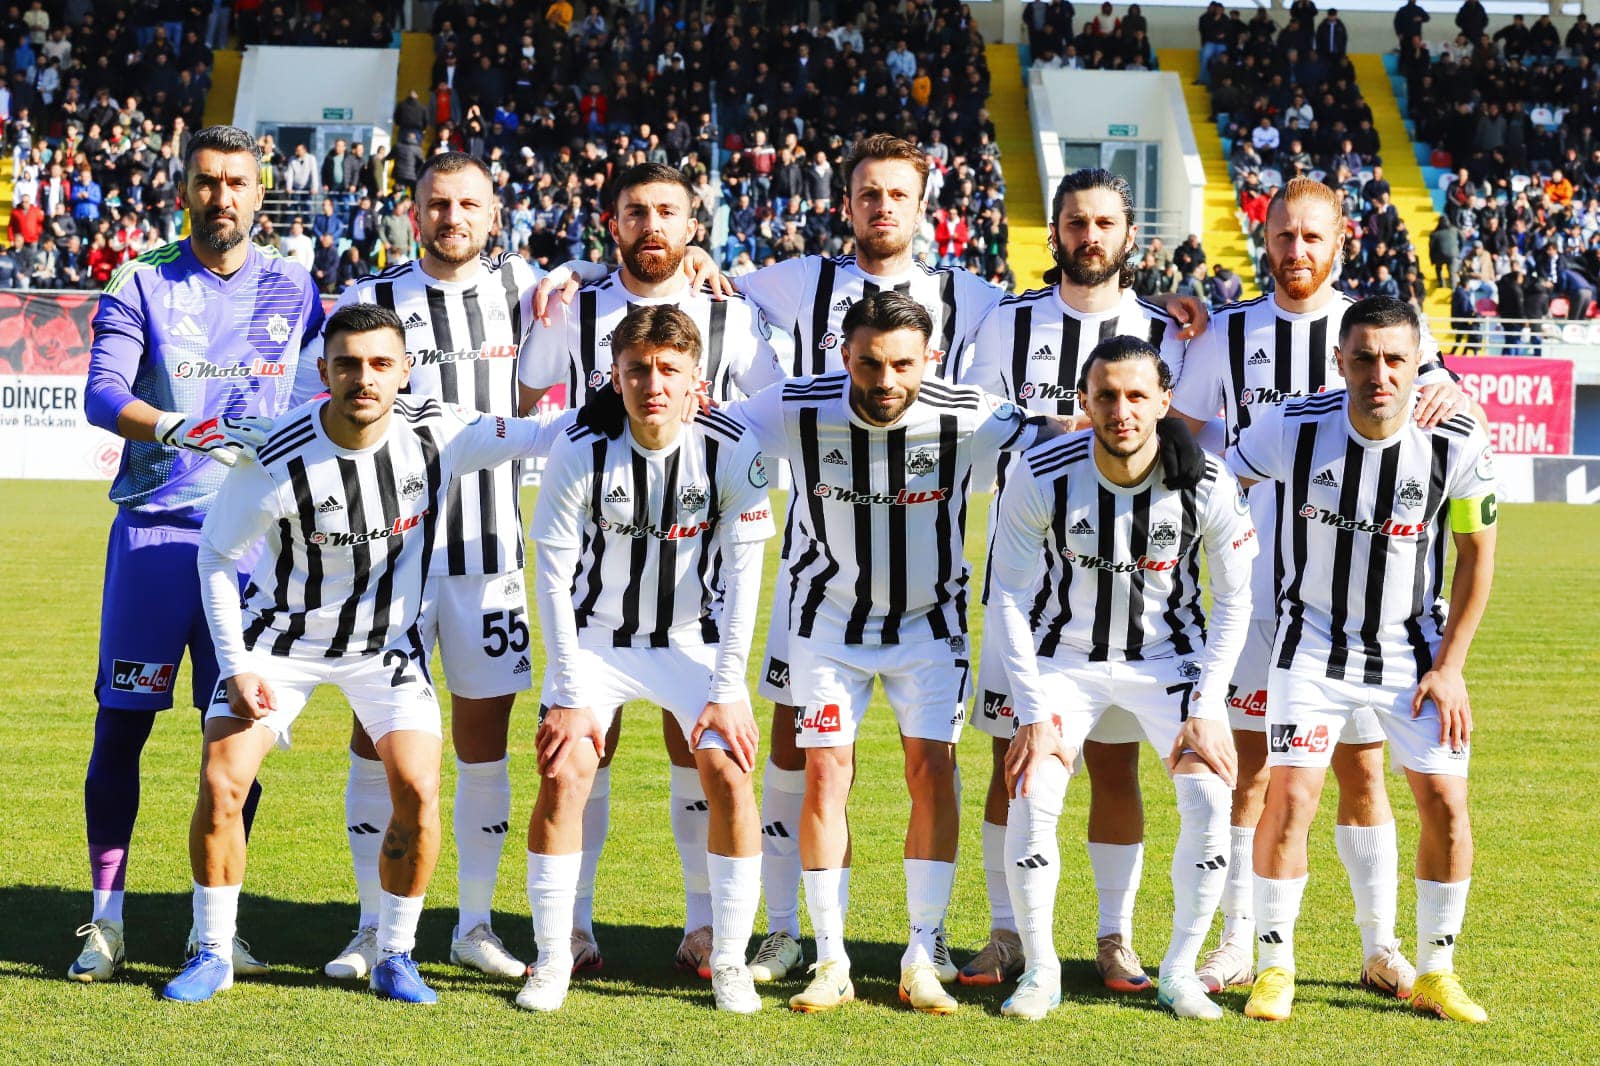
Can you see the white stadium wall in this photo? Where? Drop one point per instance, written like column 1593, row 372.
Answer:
column 316, row 86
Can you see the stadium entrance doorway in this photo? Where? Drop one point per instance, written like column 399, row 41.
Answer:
column 1139, row 163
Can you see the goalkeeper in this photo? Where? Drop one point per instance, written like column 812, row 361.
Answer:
column 195, row 348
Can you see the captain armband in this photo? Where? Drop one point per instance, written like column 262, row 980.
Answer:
column 1473, row 516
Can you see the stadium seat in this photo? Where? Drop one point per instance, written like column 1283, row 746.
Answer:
column 1316, row 175
column 1542, row 117
column 1420, row 150
column 1594, row 333
column 1441, row 158
column 1271, row 176
column 1446, row 179
column 1486, row 307
column 1560, row 307
column 1519, row 182
column 1391, row 63
column 1437, row 196
column 1574, row 333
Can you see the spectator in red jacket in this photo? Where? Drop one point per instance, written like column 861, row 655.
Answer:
column 27, row 222
column 950, row 234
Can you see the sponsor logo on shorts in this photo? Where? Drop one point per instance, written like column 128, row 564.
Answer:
column 903, row 498
column 824, row 719
column 996, row 705
column 1288, row 737
column 345, row 540
column 1387, row 528
column 1253, row 704
column 1189, row 670
column 778, row 673
column 127, row 675
column 522, row 667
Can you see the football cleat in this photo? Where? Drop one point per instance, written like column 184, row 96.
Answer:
column 920, row 987
column 999, row 961
column 1186, row 997
column 546, row 987
column 102, row 952
column 396, row 978
column 943, row 964
column 1119, row 967
column 778, row 954
column 244, row 963
column 735, row 990
column 358, row 957
column 830, row 988
column 482, row 950
column 1441, row 993
column 202, row 977
column 1038, row 992
column 585, row 953
column 1389, row 972
column 1228, row 965
column 1272, row 998
column 694, row 953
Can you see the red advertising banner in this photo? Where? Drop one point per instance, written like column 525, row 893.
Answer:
column 1529, row 401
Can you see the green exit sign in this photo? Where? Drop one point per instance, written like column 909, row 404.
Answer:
column 1114, row 131
column 345, row 114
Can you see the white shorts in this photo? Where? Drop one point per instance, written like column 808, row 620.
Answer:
column 677, row 677
column 1307, row 715
column 480, row 622
column 926, row 683
column 1155, row 693
column 774, row 683
column 388, row 691
column 1247, row 696
column 993, row 713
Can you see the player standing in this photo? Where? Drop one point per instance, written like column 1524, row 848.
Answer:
column 194, row 346
column 652, row 223
column 334, row 599
column 650, row 535
column 1362, row 628
column 1095, row 604
column 464, row 314
column 1255, row 357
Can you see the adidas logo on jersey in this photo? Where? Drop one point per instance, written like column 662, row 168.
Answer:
column 1326, row 480
column 617, row 495
column 187, row 327
column 329, row 506
column 1259, row 358
column 836, row 457
column 1081, row 527
column 842, row 304
column 414, row 321
column 1042, row 352
column 522, row 667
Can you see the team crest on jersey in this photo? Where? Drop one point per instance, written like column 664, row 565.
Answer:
column 187, row 297
column 278, row 328
column 1164, row 535
column 922, row 461
column 1241, row 503
column 758, row 472
column 1189, row 670
column 1410, row 492
column 412, row 486
column 496, row 313
column 1485, row 467
column 692, row 498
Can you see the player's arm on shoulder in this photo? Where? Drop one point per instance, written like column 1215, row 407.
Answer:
column 543, row 357
column 778, row 289
column 1259, row 454
column 981, row 362
column 762, row 415
column 1198, row 381
column 757, row 365
column 1439, row 391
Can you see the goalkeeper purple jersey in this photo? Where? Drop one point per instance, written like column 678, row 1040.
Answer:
column 173, row 334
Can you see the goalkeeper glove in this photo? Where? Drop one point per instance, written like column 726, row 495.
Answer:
column 219, row 437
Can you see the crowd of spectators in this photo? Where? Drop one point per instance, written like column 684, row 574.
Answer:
column 1103, row 42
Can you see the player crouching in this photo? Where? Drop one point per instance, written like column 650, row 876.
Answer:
column 635, row 506
column 347, row 492
column 1095, row 604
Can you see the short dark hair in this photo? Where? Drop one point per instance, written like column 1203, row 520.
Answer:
column 1379, row 312
column 450, row 163
column 886, row 311
column 656, row 326
column 228, row 139
column 1082, row 181
column 647, row 174
column 362, row 318
column 1119, row 349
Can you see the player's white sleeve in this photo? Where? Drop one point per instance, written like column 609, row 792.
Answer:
column 744, row 494
column 1015, row 565
column 244, row 509
column 553, row 571
column 307, row 378
column 758, row 365
column 562, row 510
column 762, row 415
column 481, row 441
column 982, row 362
column 778, row 289
column 1231, row 546
column 1174, row 349
column 1201, row 374
column 546, row 355
column 1473, row 477
column 741, row 575
column 976, row 300
column 1259, row 454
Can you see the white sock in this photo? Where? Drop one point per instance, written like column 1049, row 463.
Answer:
column 928, row 885
column 107, row 905
column 844, row 892
column 1199, row 867
column 823, row 903
column 596, row 823
column 781, row 794
column 994, row 877
column 1277, row 907
column 1371, row 856
column 397, row 922
column 1441, row 908
column 1117, row 869
column 216, row 917
column 552, row 886
column 482, row 820
column 1238, row 894
column 691, row 822
column 367, row 810
column 1033, row 862
column 735, row 895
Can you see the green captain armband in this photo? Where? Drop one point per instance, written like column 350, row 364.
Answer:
column 1473, row 516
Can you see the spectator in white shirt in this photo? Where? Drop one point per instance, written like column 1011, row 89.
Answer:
column 1265, row 137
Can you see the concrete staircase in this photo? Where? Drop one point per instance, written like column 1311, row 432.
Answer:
column 1026, row 213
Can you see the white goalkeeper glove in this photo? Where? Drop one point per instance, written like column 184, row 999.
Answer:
column 224, row 439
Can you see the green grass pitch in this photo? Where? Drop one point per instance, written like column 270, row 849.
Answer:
column 1526, row 950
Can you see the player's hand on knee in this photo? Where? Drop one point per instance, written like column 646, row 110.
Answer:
column 1448, row 691
column 703, row 270
column 227, row 440
column 1439, row 401
column 735, row 723
column 563, row 729
column 1032, row 745
column 250, row 697
column 1212, row 741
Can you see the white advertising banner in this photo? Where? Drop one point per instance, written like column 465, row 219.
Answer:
column 44, row 434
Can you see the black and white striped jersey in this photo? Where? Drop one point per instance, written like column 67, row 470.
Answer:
column 348, row 534
column 1362, row 533
column 877, row 554
column 1254, row 357
column 650, row 525
column 809, row 296
column 736, row 354
column 1030, row 347
column 1116, row 568
column 462, row 338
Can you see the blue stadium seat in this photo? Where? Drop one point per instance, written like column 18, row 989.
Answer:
column 1227, row 147
column 1391, row 62
column 1437, row 195
column 1423, row 153
column 1025, row 57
